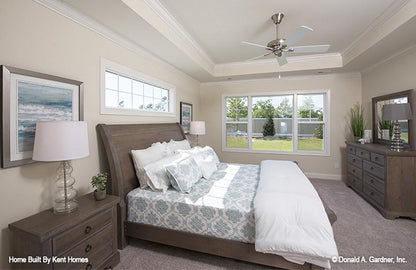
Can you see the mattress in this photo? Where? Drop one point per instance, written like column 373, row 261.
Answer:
column 221, row 206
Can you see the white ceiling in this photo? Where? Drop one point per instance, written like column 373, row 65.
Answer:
column 219, row 26
column 203, row 38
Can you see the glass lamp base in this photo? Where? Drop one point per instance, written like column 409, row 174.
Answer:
column 62, row 208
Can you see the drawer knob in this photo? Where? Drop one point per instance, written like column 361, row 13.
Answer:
column 108, row 268
column 371, row 180
column 372, row 193
column 88, row 229
column 353, row 170
column 376, row 158
column 88, row 248
column 88, row 267
column 371, row 168
column 353, row 160
column 362, row 153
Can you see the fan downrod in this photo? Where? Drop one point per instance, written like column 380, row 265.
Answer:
column 277, row 18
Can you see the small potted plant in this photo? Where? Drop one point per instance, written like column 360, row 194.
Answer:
column 357, row 122
column 99, row 181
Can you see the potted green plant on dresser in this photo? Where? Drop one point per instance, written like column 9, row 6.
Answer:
column 99, row 181
column 357, row 122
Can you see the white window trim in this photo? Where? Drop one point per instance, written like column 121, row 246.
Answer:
column 107, row 65
column 295, row 93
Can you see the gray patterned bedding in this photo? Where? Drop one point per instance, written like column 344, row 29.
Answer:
column 221, row 206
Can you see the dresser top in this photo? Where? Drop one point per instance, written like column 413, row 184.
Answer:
column 382, row 149
column 46, row 224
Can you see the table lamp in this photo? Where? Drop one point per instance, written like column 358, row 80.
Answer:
column 197, row 128
column 396, row 112
column 62, row 141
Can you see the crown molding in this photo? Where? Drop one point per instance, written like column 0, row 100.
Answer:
column 86, row 21
column 392, row 57
column 374, row 26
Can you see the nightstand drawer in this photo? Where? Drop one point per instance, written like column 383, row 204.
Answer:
column 356, row 161
column 362, row 153
column 374, row 169
column 95, row 248
column 355, row 171
column 66, row 240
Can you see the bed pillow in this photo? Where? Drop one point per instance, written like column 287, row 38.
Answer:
column 174, row 146
column 143, row 157
column 202, row 151
column 207, row 166
column 155, row 173
column 183, row 174
column 212, row 153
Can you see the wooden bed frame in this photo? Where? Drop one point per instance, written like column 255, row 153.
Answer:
column 118, row 141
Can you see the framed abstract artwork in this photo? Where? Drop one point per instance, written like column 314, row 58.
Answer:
column 28, row 97
column 186, row 116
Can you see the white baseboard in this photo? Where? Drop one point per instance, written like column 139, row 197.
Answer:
column 324, row 176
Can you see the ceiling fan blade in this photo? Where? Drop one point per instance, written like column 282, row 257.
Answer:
column 254, row 44
column 260, row 56
column 310, row 49
column 299, row 34
column 281, row 60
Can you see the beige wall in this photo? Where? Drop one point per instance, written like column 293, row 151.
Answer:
column 393, row 76
column 345, row 91
column 33, row 37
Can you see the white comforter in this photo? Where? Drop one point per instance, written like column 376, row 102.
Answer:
column 290, row 218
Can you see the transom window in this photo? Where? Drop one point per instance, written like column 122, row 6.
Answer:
column 284, row 123
column 125, row 91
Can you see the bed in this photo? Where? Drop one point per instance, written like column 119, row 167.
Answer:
column 119, row 140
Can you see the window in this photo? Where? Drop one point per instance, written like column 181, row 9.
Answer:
column 284, row 123
column 125, row 91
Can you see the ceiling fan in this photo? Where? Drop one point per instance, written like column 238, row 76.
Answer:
column 280, row 46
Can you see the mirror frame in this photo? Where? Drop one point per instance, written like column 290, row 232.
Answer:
column 409, row 95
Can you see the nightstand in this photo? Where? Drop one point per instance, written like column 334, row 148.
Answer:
column 68, row 239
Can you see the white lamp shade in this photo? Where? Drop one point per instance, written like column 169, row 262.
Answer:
column 60, row 140
column 391, row 112
column 197, row 128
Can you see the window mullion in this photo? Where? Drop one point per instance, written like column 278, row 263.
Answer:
column 249, row 120
column 295, row 123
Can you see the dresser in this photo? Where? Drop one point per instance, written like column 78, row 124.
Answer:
column 83, row 239
column 384, row 178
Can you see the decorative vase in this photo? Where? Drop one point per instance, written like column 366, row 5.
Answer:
column 356, row 138
column 100, row 194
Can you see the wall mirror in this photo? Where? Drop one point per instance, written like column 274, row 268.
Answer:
column 383, row 130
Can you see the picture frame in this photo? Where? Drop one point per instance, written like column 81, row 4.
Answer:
column 186, row 116
column 26, row 97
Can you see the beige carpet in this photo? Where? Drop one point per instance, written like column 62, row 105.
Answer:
column 359, row 231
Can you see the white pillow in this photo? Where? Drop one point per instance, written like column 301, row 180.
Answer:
column 143, row 157
column 155, row 173
column 207, row 166
column 183, row 174
column 205, row 152
column 174, row 146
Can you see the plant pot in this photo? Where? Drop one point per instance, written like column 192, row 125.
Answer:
column 356, row 138
column 100, row 194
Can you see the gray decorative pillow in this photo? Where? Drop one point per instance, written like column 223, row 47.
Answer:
column 183, row 174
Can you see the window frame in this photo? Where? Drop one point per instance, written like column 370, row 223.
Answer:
column 112, row 67
column 295, row 122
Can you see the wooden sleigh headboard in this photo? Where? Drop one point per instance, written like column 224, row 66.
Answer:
column 118, row 142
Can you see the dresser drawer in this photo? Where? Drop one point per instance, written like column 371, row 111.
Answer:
column 96, row 248
column 351, row 149
column 65, row 240
column 377, row 158
column 355, row 182
column 355, row 171
column 356, row 161
column 373, row 181
column 374, row 195
column 362, row 153
column 374, row 169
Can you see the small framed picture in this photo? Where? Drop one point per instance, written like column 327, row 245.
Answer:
column 28, row 97
column 186, row 116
